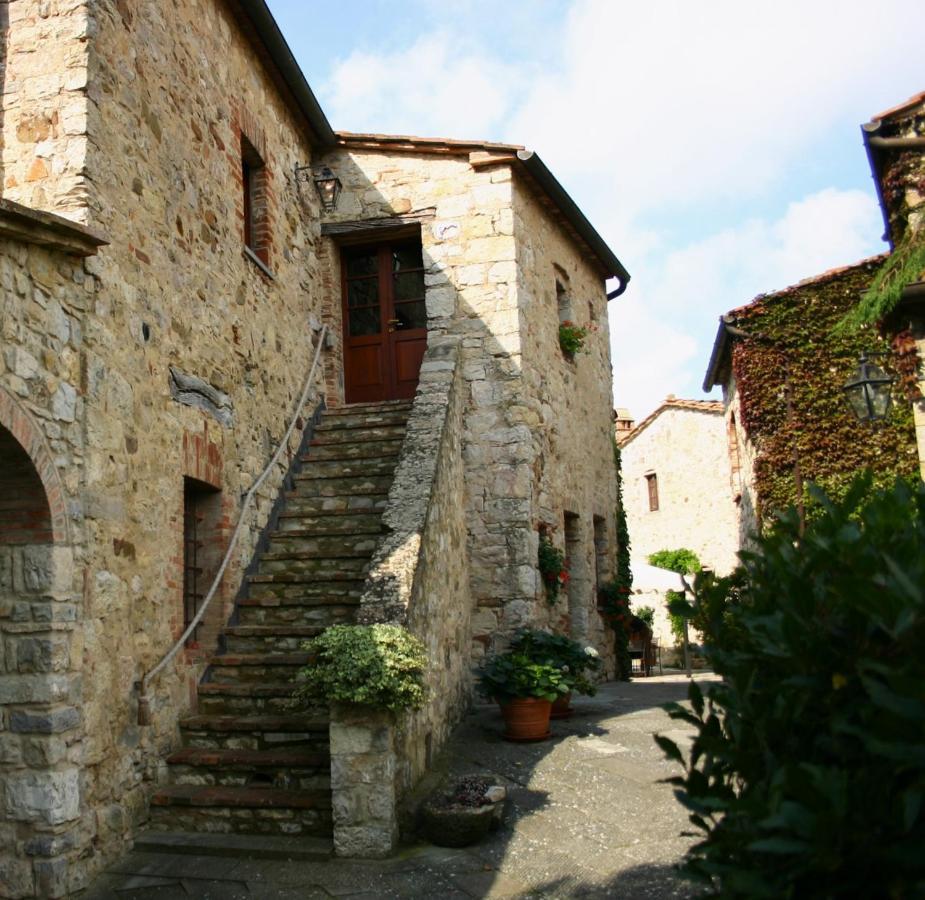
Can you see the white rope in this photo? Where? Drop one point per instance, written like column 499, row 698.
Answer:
column 245, row 506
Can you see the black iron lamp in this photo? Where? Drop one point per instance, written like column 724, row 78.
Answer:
column 868, row 391
column 326, row 183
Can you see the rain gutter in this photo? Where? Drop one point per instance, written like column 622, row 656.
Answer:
column 537, row 170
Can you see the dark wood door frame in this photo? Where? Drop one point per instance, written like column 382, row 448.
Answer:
column 385, row 337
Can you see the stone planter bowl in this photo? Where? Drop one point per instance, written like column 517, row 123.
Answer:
column 461, row 826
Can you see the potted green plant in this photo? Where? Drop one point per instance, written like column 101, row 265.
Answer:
column 576, row 662
column 525, row 690
column 372, row 665
column 553, row 567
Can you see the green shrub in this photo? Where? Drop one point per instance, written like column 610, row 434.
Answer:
column 372, row 665
column 807, row 772
column 647, row 614
column 682, row 561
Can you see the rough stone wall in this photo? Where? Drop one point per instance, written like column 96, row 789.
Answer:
column 43, row 81
column 419, row 579
column 743, row 479
column 43, row 823
column 187, row 361
column 688, row 450
column 566, row 413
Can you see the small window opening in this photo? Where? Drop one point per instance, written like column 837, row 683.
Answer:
column 601, row 555
column 652, row 483
column 254, row 195
column 202, row 547
column 563, row 302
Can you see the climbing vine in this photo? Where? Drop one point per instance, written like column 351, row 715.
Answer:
column 903, row 266
column 800, row 338
column 615, row 597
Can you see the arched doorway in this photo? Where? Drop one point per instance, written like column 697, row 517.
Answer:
column 40, row 801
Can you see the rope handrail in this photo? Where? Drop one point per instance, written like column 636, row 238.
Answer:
column 144, row 708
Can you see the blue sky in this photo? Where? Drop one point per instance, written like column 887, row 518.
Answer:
column 715, row 145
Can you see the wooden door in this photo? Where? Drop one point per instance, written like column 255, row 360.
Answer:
column 385, row 321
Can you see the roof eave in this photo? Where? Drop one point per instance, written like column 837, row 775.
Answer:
column 267, row 31
column 612, row 266
column 718, row 355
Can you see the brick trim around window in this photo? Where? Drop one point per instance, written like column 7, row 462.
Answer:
column 256, row 197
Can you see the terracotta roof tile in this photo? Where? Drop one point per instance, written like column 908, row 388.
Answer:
column 672, row 402
column 902, row 107
column 822, row 278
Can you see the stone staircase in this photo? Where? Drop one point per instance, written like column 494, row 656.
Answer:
column 250, row 763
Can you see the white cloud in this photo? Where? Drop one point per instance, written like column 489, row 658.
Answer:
column 436, row 87
column 674, row 292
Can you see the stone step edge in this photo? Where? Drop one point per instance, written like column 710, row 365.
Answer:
column 236, row 846
column 246, row 690
column 354, row 408
column 225, row 758
column 271, row 724
column 196, row 796
column 316, row 532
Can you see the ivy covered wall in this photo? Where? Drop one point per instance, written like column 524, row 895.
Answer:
column 799, row 326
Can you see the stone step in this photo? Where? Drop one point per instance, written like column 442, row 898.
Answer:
column 298, row 505
column 347, row 420
column 329, row 523
column 268, row 638
column 356, row 450
column 255, row 732
column 372, row 408
column 242, row 810
column 300, row 769
column 249, row 698
column 335, row 468
column 233, row 846
column 271, row 611
column 305, row 589
column 275, row 667
column 308, row 565
column 359, row 436
column 337, row 545
column 338, row 486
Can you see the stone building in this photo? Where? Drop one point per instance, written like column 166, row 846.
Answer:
column 175, row 295
column 782, row 360
column 678, row 488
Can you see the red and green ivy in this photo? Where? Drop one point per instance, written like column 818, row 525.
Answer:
column 800, row 334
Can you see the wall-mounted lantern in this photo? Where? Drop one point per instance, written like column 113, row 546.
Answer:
column 326, row 183
column 868, row 391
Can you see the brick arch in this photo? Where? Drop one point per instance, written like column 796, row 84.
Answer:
column 18, row 422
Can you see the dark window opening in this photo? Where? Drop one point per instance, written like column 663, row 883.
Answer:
column 254, row 196
column 652, row 483
column 25, row 516
column 601, row 553
column 202, row 546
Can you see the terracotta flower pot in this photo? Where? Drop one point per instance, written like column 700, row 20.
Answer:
column 526, row 719
column 562, row 707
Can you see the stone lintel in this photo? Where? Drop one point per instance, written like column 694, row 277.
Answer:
column 44, row 229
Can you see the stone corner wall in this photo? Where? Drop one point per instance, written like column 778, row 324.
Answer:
column 419, row 578
column 45, row 104
column 47, row 832
column 689, row 451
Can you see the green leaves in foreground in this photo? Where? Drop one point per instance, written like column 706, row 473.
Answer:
column 374, row 665
column 807, row 773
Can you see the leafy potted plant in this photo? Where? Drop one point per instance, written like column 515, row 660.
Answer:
column 373, row 665
column 525, row 690
column 576, row 662
column 572, row 338
column 553, row 567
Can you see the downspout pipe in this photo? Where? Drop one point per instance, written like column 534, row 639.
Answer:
column 537, row 170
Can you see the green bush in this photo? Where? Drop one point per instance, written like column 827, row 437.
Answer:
column 372, row 665
column 807, row 772
column 647, row 614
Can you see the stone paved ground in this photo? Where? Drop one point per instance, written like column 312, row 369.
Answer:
column 586, row 818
